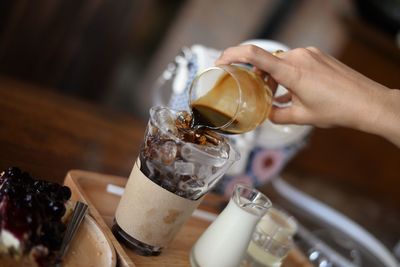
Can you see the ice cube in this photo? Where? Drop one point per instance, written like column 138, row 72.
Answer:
column 204, row 172
column 219, row 152
column 151, row 168
column 164, row 116
column 153, row 153
column 193, row 153
column 168, row 184
column 213, row 138
column 168, row 152
column 151, row 131
column 191, row 185
column 166, row 121
column 184, row 168
column 183, row 120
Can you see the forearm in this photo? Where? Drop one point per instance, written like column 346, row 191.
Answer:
column 386, row 123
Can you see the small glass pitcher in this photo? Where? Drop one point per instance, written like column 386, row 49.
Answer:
column 225, row 241
column 229, row 98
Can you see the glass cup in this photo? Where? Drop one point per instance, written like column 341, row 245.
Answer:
column 271, row 240
column 176, row 167
column 229, row 98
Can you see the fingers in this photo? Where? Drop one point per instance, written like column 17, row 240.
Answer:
column 282, row 115
column 252, row 54
column 272, row 84
column 284, row 98
column 293, row 114
column 314, row 50
column 260, row 73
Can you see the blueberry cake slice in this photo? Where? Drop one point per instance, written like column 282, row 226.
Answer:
column 33, row 216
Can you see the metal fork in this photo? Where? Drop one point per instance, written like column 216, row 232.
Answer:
column 78, row 215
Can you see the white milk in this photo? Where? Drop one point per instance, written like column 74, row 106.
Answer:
column 225, row 241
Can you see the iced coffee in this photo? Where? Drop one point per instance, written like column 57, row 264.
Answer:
column 176, row 167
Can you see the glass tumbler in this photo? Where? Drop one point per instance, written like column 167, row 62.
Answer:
column 271, row 240
column 229, row 98
column 176, row 167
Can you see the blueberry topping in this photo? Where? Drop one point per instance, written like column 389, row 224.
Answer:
column 65, row 192
column 32, row 209
column 13, row 171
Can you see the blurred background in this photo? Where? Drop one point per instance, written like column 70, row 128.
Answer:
column 109, row 53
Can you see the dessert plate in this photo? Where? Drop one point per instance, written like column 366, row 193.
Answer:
column 90, row 247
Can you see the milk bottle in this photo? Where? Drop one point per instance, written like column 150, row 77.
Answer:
column 225, row 241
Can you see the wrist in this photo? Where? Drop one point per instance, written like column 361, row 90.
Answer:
column 386, row 120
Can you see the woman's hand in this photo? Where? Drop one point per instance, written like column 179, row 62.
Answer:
column 324, row 92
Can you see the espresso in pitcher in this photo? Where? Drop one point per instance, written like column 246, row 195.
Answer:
column 207, row 115
column 216, row 108
column 237, row 102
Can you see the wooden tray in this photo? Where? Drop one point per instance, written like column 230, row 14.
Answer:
column 91, row 188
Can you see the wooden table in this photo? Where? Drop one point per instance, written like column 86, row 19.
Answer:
column 48, row 134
